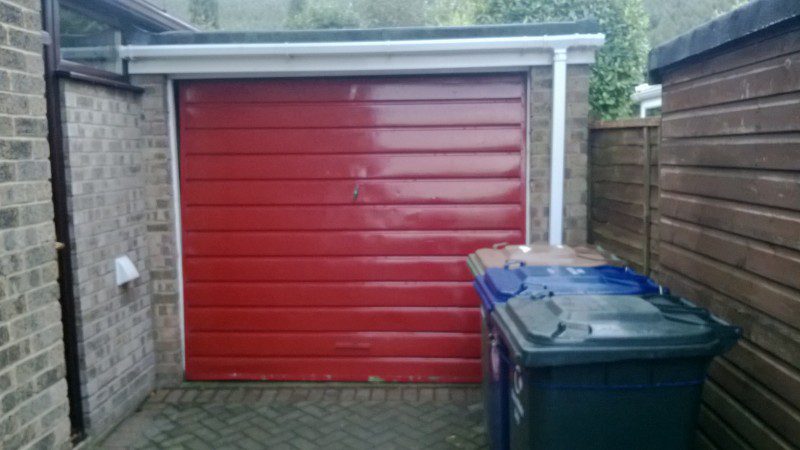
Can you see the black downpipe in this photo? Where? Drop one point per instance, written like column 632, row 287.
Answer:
column 59, row 183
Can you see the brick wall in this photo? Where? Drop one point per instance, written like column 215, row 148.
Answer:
column 576, row 151
column 161, row 231
column 106, row 199
column 33, row 392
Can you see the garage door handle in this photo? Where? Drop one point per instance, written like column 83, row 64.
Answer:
column 355, row 193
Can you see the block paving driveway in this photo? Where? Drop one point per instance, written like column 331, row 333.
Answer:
column 305, row 416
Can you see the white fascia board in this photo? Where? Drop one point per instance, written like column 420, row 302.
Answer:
column 649, row 92
column 338, row 48
column 299, row 59
column 302, row 65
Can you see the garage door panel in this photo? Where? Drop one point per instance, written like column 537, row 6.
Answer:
column 382, row 344
column 437, row 319
column 346, row 115
column 347, row 293
column 289, row 276
column 342, row 243
column 357, row 90
column 362, row 217
column 440, row 370
column 326, row 268
column 296, row 192
column 351, row 166
column 352, row 140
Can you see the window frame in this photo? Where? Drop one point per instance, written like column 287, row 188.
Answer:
column 76, row 70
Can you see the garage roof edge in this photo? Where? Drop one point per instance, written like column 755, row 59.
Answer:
column 362, row 52
column 588, row 26
column 755, row 17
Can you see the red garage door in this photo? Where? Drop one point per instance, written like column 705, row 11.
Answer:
column 326, row 223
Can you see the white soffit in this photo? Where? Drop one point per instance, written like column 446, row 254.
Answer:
column 374, row 57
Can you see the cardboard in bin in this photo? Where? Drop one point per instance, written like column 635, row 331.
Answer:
column 501, row 255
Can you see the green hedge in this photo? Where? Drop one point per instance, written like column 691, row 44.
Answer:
column 620, row 63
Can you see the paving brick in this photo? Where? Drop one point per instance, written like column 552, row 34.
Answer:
column 331, row 394
column 348, row 394
column 283, row 395
column 404, row 422
column 189, row 395
column 378, row 394
column 442, row 394
column 315, row 394
column 237, row 395
column 393, row 394
column 458, row 395
column 268, row 395
column 174, row 396
column 159, row 395
column 221, row 395
column 425, row 394
column 410, row 394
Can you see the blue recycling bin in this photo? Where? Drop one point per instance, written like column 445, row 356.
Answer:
column 535, row 283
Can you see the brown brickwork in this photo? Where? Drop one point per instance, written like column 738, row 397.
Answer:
column 575, row 189
column 33, row 392
column 577, row 155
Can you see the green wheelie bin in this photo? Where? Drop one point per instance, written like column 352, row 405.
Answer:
column 607, row 372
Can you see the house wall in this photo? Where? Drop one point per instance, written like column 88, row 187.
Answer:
column 105, row 172
column 730, row 227
column 33, row 392
column 575, row 149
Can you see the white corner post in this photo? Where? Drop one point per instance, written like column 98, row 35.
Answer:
column 557, row 140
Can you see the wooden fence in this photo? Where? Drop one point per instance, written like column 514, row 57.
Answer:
column 623, row 192
column 724, row 231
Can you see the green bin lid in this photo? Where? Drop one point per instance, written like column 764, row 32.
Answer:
column 566, row 330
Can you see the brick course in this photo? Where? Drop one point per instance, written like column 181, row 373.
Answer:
column 33, row 392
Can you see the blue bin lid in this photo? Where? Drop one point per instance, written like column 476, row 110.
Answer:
column 535, row 282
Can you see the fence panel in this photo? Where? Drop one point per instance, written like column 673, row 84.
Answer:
column 624, row 213
column 725, row 224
